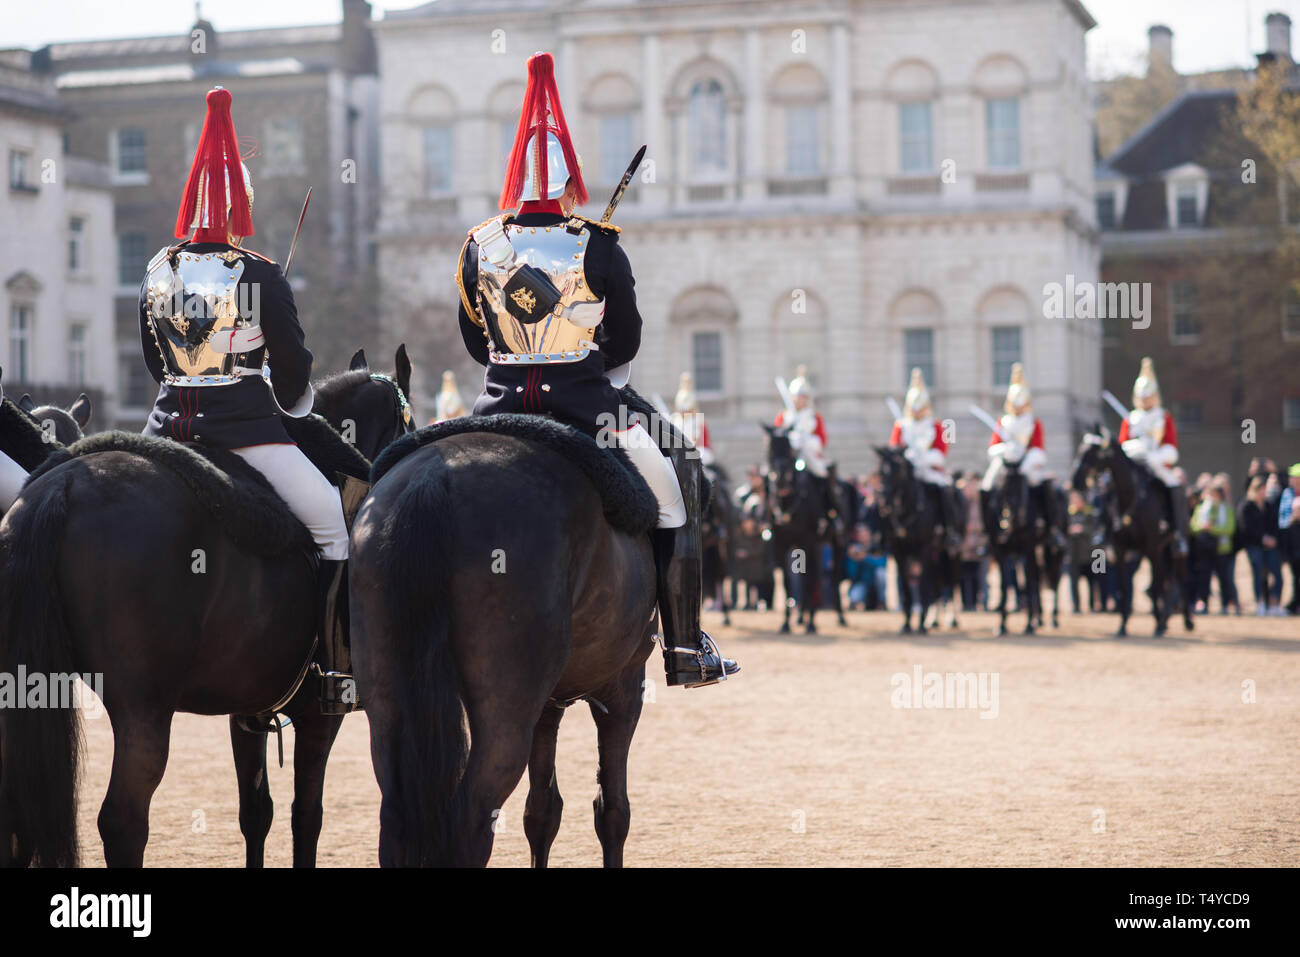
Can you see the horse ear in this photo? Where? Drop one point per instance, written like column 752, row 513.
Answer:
column 26, row 403
column 769, row 429
column 403, row 366
column 80, row 410
column 358, row 363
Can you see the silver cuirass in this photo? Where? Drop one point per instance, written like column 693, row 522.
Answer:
column 561, row 255
column 193, row 307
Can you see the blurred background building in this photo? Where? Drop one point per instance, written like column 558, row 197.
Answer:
column 305, row 105
column 1190, row 203
column 858, row 187
column 57, row 261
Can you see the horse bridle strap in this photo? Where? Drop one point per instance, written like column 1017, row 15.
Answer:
column 403, row 404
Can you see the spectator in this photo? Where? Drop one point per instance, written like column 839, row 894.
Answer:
column 1288, row 530
column 752, row 563
column 1081, row 529
column 1258, row 519
column 865, row 571
column 1213, row 525
column 974, row 550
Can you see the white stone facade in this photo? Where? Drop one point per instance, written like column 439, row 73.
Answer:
column 56, row 310
column 807, row 241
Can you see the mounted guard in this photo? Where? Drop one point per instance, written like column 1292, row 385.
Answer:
column 221, row 336
column 689, row 420
column 920, row 434
column 449, row 404
column 807, row 428
column 1148, row 436
column 1019, row 440
column 548, row 306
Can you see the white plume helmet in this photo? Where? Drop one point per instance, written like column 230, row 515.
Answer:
column 800, row 384
column 1146, row 385
column 918, row 397
column 557, row 171
column 686, row 401
column 1018, row 397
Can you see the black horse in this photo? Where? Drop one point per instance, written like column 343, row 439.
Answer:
column 913, row 532
column 112, row 564
column 1015, row 534
column 717, row 530
column 796, row 503
column 1136, row 529
column 65, row 425
column 489, row 591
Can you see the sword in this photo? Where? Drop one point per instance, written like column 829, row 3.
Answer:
column 988, row 420
column 1114, row 403
column 294, row 245
column 786, row 397
column 894, row 410
column 622, row 185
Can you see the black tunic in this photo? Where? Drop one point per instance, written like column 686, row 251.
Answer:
column 243, row 413
column 575, row 392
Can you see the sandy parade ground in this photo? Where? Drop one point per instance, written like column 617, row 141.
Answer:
column 1077, row 748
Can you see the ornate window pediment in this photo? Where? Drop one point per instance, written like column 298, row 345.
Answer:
column 24, row 284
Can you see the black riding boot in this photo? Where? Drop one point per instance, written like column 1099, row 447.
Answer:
column 1182, row 519
column 338, row 689
column 1052, row 514
column 951, row 524
column 690, row 656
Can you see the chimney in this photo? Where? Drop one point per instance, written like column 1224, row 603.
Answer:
column 357, row 54
column 1160, row 45
column 1277, row 27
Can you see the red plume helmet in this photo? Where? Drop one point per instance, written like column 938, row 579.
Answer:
column 541, row 115
column 216, row 168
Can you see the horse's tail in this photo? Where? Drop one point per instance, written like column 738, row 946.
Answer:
column 415, row 575
column 40, row 741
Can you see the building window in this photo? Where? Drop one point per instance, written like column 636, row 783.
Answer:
column 802, row 141
column 915, row 152
column 617, row 144
column 135, row 386
column 1106, row 210
column 1185, row 198
column 284, row 153
column 437, row 160
column 1189, row 414
column 20, row 342
column 1291, row 315
column 76, row 244
column 1006, row 352
column 1291, row 413
column 918, row 352
column 706, row 361
column 131, row 153
column 132, row 258
column 1002, row 124
column 20, row 171
column 1185, row 324
column 706, row 121
column 77, row 353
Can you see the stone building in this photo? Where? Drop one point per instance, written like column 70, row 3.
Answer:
column 860, row 186
column 57, row 262
column 305, row 105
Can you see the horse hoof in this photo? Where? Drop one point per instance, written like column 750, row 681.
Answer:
column 1031, row 630
column 905, row 630
column 810, row 630
column 785, row 629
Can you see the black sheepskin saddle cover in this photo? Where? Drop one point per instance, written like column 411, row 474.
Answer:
column 237, row 495
column 627, row 501
column 22, row 438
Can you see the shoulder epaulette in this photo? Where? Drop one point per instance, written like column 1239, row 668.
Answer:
column 504, row 218
column 460, row 284
column 596, row 224
column 256, row 255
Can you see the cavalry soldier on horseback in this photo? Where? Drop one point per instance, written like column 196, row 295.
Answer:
column 807, row 428
column 221, row 336
column 449, row 404
column 1020, row 442
column 921, row 435
column 689, row 420
column 1147, row 435
column 547, row 304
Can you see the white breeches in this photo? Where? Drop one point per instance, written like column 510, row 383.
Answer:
column 307, row 492
column 657, row 472
column 12, row 476
column 809, row 447
column 1033, row 466
column 1160, row 460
